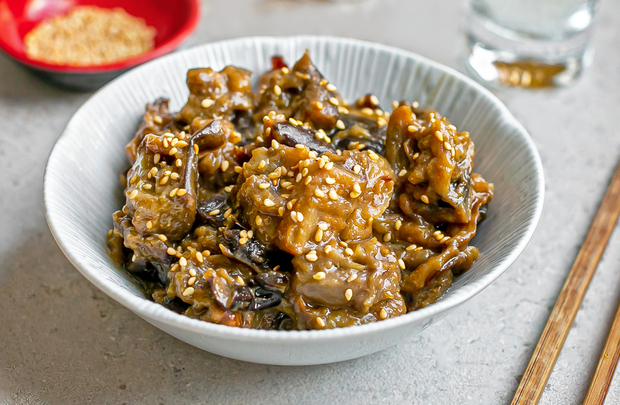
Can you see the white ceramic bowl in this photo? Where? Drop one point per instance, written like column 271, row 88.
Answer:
column 82, row 187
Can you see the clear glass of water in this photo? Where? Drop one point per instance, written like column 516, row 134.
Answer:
column 529, row 43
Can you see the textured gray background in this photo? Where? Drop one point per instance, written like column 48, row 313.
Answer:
column 62, row 341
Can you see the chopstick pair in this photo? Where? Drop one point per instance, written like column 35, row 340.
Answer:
column 563, row 314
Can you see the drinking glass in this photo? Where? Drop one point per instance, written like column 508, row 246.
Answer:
column 529, row 43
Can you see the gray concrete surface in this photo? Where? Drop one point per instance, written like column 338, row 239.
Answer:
column 63, row 342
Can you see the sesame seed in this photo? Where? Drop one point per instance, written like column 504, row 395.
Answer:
column 238, row 169
column 181, row 192
column 357, row 188
column 149, row 225
column 214, row 212
column 290, row 204
column 178, row 163
column 158, row 119
column 294, row 216
column 415, row 104
column 357, row 169
column 299, row 177
column 262, row 164
column 381, row 121
column 228, row 189
column 383, row 314
column 304, row 172
column 447, row 145
column 352, row 277
column 401, row 264
column 439, row 136
column 180, row 144
column 133, row 194
column 340, row 124
column 452, row 127
column 319, row 193
column 374, row 100
column 402, row 173
column 331, row 87
column 348, row 294
column 319, row 275
column 334, row 101
column 259, row 139
column 192, row 272
column 292, row 121
column 191, row 281
column 395, row 104
column 243, row 241
column 424, row 199
column 398, row 224
column 312, row 257
column 300, row 217
column 207, row 102
column 415, row 155
column 353, row 194
column 312, row 154
column 411, row 247
column 147, row 187
column 199, row 257
column 308, row 180
column 268, row 203
column 162, row 238
column 319, row 105
column 328, row 248
column 329, row 165
column 412, row 128
column 348, row 251
column 323, row 82
column 227, row 213
column 343, row 243
column 173, row 192
column 225, row 165
column 277, row 90
column 333, row 195
column 318, row 236
column 188, row 291
column 372, row 155
column 330, row 180
column 285, row 70
column 274, row 143
column 445, row 239
column 165, row 143
column 320, row 322
column 174, row 176
column 263, row 186
column 323, row 226
column 281, row 211
column 367, row 111
column 387, row 237
column 171, row 251
column 250, row 234
column 258, row 220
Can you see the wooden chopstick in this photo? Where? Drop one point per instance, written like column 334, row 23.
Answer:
column 606, row 366
column 561, row 319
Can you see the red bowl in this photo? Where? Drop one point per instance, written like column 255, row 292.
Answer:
column 174, row 20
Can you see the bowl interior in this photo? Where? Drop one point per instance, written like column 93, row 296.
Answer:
column 82, row 186
column 18, row 17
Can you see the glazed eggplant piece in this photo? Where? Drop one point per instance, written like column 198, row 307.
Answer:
column 157, row 119
column 300, row 93
column 226, row 95
column 435, row 163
